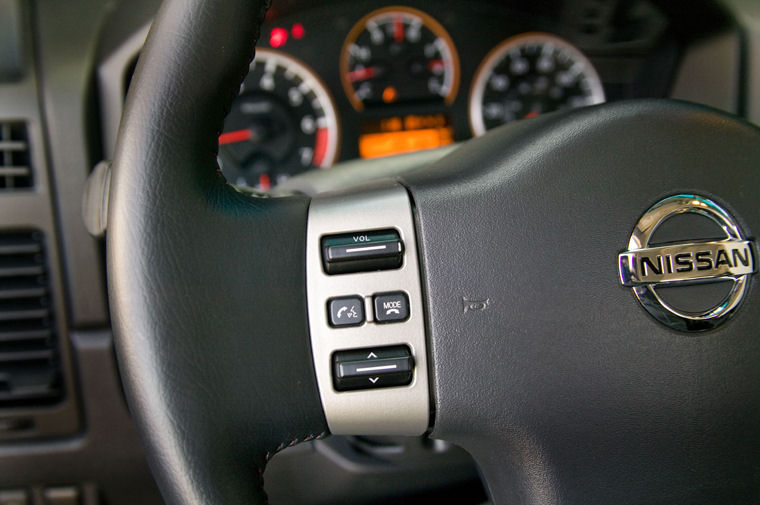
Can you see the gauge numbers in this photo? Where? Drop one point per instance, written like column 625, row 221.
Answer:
column 282, row 123
column 398, row 54
column 528, row 75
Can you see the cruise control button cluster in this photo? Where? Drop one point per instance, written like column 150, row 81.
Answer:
column 370, row 368
column 370, row 360
column 362, row 251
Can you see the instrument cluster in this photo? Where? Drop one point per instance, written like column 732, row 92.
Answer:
column 372, row 81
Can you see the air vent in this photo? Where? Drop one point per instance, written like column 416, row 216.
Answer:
column 15, row 166
column 29, row 364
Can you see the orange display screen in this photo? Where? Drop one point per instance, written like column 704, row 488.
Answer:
column 404, row 134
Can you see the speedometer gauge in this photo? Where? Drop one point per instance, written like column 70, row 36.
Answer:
column 398, row 54
column 528, row 75
column 282, row 123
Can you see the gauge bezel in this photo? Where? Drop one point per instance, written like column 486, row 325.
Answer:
column 315, row 83
column 494, row 56
column 428, row 21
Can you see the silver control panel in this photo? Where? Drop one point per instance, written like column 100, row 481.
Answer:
column 389, row 403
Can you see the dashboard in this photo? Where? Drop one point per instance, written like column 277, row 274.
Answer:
column 373, row 79
column 383, row 80
column 333, row 83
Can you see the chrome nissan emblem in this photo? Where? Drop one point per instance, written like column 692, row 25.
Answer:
column 646, row 268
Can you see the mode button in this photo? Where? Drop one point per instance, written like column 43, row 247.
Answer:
column 391, row 307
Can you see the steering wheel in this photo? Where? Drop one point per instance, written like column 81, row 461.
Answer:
column 520, row 344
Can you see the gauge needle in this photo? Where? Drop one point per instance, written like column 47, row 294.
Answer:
column 435, row 65
column 398, row 29
column 361, row 74
column 235, row 136
column 531, row 114
column 265, row 182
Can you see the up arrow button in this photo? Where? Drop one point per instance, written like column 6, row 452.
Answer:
column 378, row 367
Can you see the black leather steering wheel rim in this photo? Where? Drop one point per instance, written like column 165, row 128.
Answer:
column 195, row 375
column 207, row 289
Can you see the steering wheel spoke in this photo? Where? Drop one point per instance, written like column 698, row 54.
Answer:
column 546, row 368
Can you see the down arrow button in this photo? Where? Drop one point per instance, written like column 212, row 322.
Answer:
column 372, row 368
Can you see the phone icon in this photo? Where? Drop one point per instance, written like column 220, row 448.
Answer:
column 345, row 311
column 392, row 311
column 350, row 312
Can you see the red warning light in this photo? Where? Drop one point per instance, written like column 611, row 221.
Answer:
column 278, row 37
column 297, row 31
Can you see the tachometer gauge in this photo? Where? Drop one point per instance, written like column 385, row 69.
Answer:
column 528, row 75
column 282, row 123
column 398, row 54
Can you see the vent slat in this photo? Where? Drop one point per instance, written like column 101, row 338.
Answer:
column 20, row 248
column 30, row 393
column 7, row 294
column 30, row 372
column 13, row 145
column 21, row 335
column 19, row 271
column 16, row 172
column 21, row 356
column 18, row 315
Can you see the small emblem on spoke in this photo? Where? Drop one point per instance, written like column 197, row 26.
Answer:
column 469, row 305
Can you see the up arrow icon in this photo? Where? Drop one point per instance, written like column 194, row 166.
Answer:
column 371, row 355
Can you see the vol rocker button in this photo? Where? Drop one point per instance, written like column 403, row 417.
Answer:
column 362, row 251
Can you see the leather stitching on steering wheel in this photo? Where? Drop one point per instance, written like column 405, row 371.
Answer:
column 284, row 445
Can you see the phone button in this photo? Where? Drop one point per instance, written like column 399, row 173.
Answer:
column 346, row 311
column 391, row 307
